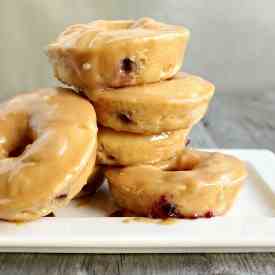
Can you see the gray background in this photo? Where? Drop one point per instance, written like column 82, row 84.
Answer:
column 232, row 42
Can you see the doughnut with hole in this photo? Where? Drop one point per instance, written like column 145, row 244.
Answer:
column 118, row 53
column 47, row 151
column 198, row 184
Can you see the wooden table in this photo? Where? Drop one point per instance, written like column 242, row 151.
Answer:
column 243, row 121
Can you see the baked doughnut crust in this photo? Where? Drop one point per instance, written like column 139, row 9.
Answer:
column 118, row 53
column 47, row 151
column 198, row 184
column 169, row 105
column 122, row 148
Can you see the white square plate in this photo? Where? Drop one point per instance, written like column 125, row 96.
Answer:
column 84, row 227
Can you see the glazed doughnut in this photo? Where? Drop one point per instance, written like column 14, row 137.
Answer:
column 169, row 105
column 200, row 184
column 94, row 181
column 118, row 53
column 122, row 148
column 47, row 151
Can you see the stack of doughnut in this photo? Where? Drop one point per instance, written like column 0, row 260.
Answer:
column 128, row 72
column 145, row 109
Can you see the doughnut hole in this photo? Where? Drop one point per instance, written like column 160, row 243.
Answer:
column 26, row 139
column 164, row 207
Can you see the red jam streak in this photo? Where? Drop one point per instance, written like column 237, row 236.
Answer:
column 163, row 209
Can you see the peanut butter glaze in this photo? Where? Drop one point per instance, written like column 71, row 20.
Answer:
column 54, row 166
column 118, row 53
column 122, row 148
column 197, row 184
column 173, row 104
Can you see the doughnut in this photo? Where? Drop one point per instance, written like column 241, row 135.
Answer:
column 118, row 53
column 122, row 148
column 169, row 105
column 198, row 184
column 47, row 151
column 94, row 181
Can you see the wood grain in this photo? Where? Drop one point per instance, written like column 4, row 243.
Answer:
column 137, row 264
column 232, row 122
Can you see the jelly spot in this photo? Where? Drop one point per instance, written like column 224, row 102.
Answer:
column 111, row 157
column 209, row 214
column 125, row 117
column 128, row 66
column 188, row 141
column 163, row 209
column 169, row 209
column 20, row 148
